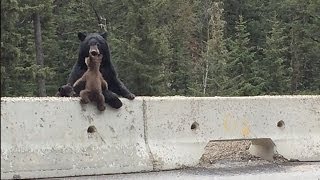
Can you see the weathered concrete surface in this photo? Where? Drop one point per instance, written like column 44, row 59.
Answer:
column 179, row 128
column 239, row 171
column 46, row 137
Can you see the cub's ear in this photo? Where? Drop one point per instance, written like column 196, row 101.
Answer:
column 82, row 36
column 104, row 35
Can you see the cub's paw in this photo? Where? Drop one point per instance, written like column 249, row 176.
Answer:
column 101, row 107
column 84, row 101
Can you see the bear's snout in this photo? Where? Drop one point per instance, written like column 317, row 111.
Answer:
column 94, row 50
column 94, row 53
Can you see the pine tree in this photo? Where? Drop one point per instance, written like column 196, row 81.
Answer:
column 27, row 70
column 302, row 24
column 216, row 53
column 10, row 53
column 179, row 33
column 167, row 47
column 277, row 70
column 242, row 67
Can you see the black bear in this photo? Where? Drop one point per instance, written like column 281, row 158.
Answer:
column 94, row 82
column 115, row 86
column 65, row 91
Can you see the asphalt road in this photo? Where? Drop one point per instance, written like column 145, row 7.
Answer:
column 225, row 171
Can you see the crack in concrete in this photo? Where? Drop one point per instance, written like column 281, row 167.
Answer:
column 145, row 133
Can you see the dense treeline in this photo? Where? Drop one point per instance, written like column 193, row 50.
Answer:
column 167, row 47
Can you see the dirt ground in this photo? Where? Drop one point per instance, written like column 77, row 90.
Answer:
column 232, row 152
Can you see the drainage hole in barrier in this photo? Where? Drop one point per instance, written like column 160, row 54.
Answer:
column 194, row 126
column 280, row 124
column 91, row 129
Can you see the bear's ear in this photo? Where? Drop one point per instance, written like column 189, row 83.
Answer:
column 104, row 35
column 82, row 36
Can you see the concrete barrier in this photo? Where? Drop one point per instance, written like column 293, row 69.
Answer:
column 54, row 137
column 51, row 137
column 178, row 128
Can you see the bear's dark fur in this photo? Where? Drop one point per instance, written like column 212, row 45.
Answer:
column 93, row 80
column 65, row 91
column 115, row 86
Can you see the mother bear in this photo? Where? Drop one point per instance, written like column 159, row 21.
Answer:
column 93, row 40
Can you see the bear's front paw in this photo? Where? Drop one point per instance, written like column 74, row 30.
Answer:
column 114, row 102
column 130, row 96
column 65, row 91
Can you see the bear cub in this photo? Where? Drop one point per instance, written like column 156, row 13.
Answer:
column 94, row 82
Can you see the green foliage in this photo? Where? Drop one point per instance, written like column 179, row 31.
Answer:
column 9, row 42
column 169, row 47
column 216, row 54
column 242, row 67
column 276, row 67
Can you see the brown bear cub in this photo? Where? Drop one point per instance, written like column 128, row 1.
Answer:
column 94, row 82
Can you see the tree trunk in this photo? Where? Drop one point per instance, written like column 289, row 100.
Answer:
column 39, row 53
column 205, row 77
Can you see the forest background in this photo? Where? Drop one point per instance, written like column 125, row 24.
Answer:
column 167, row 47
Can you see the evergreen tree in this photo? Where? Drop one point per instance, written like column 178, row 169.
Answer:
column 216, row 53
column 31, row 68
column 140, row 46
column 277, row 69
column 167, row 47
column 10, row 52
column 178, row 65
column 242, row 67
column 302, row 24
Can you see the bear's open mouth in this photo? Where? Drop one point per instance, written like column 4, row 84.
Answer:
column 94, row 53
